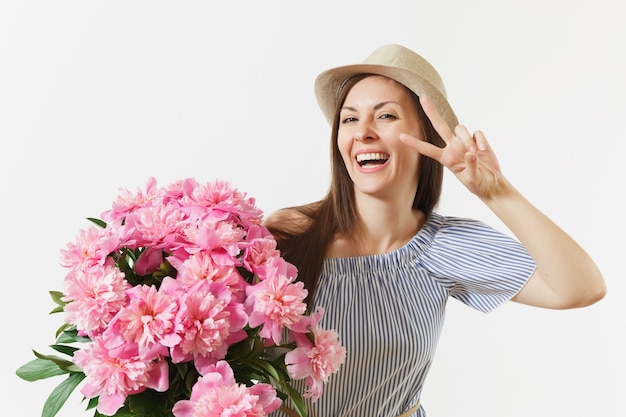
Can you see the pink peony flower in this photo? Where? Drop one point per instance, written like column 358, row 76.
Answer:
column 204, row 265
column 221, row 196
column 94, row 298
column 216, row 394
column 157, row 227
column 260, row 250
column 209, row 321
column 146, row 320
column 113, row 378
column 276, row 302
column 211, row 235
column 93, row 246
column 279, row 266
column 315, row 361
column 127, row 201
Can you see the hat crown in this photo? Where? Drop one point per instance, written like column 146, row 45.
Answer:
column 397, row 56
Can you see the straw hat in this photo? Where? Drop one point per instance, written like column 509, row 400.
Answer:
column 393, row 61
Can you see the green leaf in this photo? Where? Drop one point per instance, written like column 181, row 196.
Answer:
column 56, row 297
column 60, row 362
column 296, row 398
column 190, row 380
column 60, row 394
column 182, row 368
column 280, row 367
column 93, row 403
column 124, row 263
column 68, row 350
column 69, row 334
column 267, row 367
column 97, row 222
column 247, row 275
column 57, row 309
column 147, row 402
column 39, row 369
column 61, row 330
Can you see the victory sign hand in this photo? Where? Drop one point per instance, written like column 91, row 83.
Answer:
column 467, row 155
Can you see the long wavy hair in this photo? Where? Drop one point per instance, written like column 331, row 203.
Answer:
column 336, row 212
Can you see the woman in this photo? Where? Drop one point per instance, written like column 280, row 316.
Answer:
column 383, row 263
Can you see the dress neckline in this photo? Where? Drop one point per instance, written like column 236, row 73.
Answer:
column 397, row 257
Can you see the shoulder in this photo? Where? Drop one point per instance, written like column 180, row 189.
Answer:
column 451, row 225
column 465, row 235
column 473, row 241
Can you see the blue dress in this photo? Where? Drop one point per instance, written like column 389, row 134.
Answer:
column 389, row 310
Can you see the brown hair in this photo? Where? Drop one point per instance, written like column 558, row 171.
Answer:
column 336, row 213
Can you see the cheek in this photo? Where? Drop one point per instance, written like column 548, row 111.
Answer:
column 418, row 164
column 345, row 147
column 411, row 158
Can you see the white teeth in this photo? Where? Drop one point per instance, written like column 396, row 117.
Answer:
column 371, row 157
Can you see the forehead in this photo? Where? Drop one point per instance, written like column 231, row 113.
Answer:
column 378, row 85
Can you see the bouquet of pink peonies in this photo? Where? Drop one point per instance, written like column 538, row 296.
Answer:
column 173, row 301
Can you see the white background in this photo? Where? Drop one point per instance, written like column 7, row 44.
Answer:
column 97, row 96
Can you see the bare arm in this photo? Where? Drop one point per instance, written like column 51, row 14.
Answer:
column 566, row 277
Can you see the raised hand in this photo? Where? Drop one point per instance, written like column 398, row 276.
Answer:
column 467, row 155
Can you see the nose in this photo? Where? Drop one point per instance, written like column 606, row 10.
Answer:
column 365, row 131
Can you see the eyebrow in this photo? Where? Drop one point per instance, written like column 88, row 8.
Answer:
column 376, row 107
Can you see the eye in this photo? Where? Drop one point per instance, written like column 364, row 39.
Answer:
column 388, row 116
column 348, row 119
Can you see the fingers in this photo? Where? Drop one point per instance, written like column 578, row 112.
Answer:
column 473, row 142
column 422, row 146
column 471, row 166
column 481, row 140
column 463, row 148
column 435, row 118
column 466, row 138
column 476, row 141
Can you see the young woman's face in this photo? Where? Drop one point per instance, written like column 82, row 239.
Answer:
column 376, row 111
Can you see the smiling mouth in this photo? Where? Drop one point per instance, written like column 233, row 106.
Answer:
column 371, row 159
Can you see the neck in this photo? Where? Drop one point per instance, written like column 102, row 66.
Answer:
column 384, row 226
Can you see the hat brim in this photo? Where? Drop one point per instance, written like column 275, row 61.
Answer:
column 329, row 82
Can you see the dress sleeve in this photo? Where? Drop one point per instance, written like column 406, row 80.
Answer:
column 481, row 267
